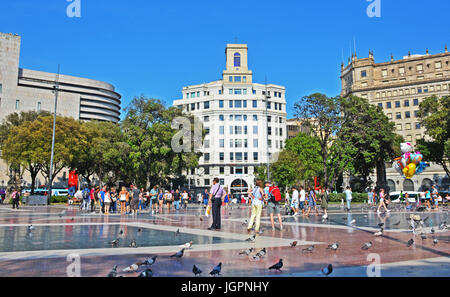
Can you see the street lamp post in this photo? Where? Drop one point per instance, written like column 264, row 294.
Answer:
column 49, row 194
column 267, row 97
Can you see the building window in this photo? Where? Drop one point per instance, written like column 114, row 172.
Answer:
column 398, row 116
column 388, row 105
column 206, row 156
column 407, row 114
column 255, row 156
column 397, row 104
column 416, row 102
column 416, row 113
column 1, row 88
column 269, row 130
column 221, row 130
column 255, row 130
column 221, row 118
column 238, row 156
column 406, row 103
column 231, row 104
column 244, row 102
column 221, row 143
column 220, row 103
column 380, row 105
column 221, row 170
column 363, row 73
column 237, row 103
column 255, row 117
column 255, row 103
column 419, row 90
column 206, row 119
column 268, row 105
column 237, row 60
column 38, row 106
column 237, row 79
column 418, row 126
column 221, row 156
column 206, row 182
column 399, row 127
column 230, row 79
column 255, row 143
column 231, row 156
column 206, row 105
column 220, row 92
column 17, row 104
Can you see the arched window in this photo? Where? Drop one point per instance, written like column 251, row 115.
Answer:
column 237, row 60
column 391, row 185
column 426, row 184
column 408, row 185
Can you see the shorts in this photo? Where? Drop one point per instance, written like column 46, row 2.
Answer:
column 311, row 203
column 324, row 204
column 273, row 208
column 205, row 201
column 134, row 204
column 168, row 201
column 302, row 204
column 294, row 205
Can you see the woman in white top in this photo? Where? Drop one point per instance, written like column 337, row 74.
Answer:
column 382, row 198
column 107, row 201
column 257, row 204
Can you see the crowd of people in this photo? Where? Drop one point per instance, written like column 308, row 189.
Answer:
column 129, row 201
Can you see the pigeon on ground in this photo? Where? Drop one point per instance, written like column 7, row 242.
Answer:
column 115, row 242
column 277, row 266
column 293, row 244
column 133, row 267
column 201, row 219
column 367, row 245
column 326, row 271
column 179, row 254
column 308, row 249
column 261, row 253
column 410, row 242
column 423, row 236
column 196, row 270
column 432, row 230
column 379, row 233
column 251, row 238
column 178, row 232
column 443, row 226
column 396, row 224
column 435, row 241
column 113, row 272
column 30, row 228
column 245, row 223
column 216, row 270
column 146, row 273
column 334, row 246
column 121, row 232
column 150, row 261
column 133, row 244
column 139, row 230
column 187, row 245
column 246, row 252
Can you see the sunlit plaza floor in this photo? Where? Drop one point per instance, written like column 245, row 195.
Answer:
column 60, row 231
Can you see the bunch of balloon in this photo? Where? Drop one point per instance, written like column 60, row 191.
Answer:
column 409, row 163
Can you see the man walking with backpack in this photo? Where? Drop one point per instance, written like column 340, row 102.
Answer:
column 273, row 198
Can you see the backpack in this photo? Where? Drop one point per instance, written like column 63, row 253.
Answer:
column 274, row 192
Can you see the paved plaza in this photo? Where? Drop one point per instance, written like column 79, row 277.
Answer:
column 59, row 231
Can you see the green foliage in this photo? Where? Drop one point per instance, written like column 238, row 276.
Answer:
column 434, row 115
column 356, row 197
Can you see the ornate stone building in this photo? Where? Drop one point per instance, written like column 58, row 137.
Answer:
column 398, row 87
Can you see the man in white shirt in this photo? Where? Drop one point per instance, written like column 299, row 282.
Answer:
column 348, row 197
column 302, row 199
column 294, row 202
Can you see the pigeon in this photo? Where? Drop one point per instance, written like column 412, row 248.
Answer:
column 115, row 242
column 216, row 270
column 251, row 238
column 293, row 244
column 435, row 241
column 410, row 242
column 432, row 230
column 255, row 257
column 201, row 219
column 367, row 245
column 333, row 246
column 246, row 252
column 113, row 272
column 277, row 266
column 379, row 233
column 133, row 267
column 133, row 244
column 326, row 271
column 261, row 253
column 146, row 273
column 196, row 270
column 396, row 224
column 179, row 254
column 380, row 224
column 308, row 249
column 353, row 221
column 187, row 245
column 150, row 261
column 443, row 226
column 245, row 223
column 178, row 232
column 121, row 232
column 423, row 236
column 139, row 230
column 30, row 228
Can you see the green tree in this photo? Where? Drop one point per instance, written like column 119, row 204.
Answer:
column 321, row 115
column 434, row 114
column 14, row 153
column 286, row 170
column 147, row 128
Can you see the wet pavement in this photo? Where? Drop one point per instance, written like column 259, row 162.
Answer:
column 59, row 232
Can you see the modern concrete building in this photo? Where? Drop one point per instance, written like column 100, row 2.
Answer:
column 23, row 90
column 245, row 123
column 398, row 87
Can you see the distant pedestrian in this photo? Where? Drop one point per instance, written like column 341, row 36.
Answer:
column 185, row 199
column 216, row 197
column 107, row 201
column 205, row 196
column 295, row 201
column 15, row 196
column 273, row 205
column 348, row 197
column 154, row 199
column 124, row 196
column 382, row 201
column 323, row 196
column 134, row 201
column 176, row 200
column 257, row 196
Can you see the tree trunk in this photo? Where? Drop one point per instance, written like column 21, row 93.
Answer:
column 381, row 176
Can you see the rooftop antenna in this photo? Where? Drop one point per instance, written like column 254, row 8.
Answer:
column 354, row 44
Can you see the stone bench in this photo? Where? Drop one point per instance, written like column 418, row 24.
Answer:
column 35, row 200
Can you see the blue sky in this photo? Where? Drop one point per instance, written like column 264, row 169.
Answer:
column 157, row 47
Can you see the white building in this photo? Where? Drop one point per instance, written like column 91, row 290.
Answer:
column 245, row 123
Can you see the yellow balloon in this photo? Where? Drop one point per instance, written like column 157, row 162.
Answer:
column 411, row 169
